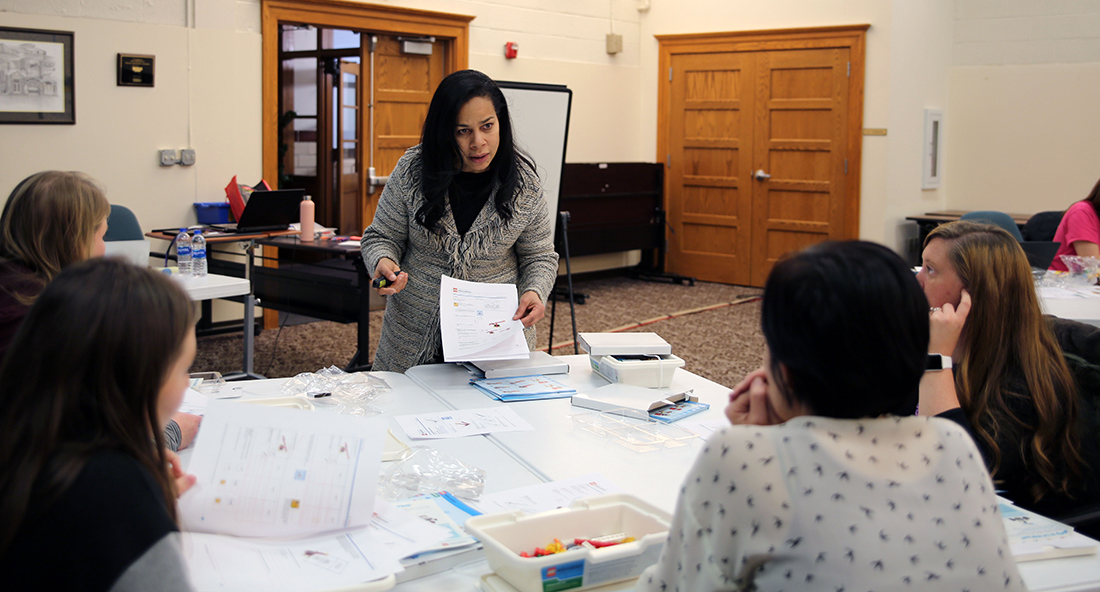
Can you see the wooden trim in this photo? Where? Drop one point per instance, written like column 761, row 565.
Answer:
column 454, row 29
column 853, row 37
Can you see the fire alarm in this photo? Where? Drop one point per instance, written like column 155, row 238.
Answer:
column 511, row 49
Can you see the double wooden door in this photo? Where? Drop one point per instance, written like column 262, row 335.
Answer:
column 760, row 133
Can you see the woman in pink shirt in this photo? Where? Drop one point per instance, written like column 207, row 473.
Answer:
column 1079, row 231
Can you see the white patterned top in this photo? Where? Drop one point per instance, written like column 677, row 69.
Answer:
column 837, row 505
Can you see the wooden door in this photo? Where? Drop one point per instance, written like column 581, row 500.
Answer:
column 348, row 142
column 786, row 104
column 403, row 86
column 710, row 175
column 799, row 144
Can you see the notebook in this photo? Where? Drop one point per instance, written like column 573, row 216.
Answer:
column 266, row 210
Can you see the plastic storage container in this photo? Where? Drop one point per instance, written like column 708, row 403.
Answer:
column 648, row 371
column 506, row 535
column 212, row 212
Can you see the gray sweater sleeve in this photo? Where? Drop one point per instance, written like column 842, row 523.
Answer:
column 538, row 262
column 173, row 436
column 160, row 568
column 388, row 233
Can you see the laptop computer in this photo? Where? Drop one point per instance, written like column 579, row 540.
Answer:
column 266, row 210
column 1040, row 253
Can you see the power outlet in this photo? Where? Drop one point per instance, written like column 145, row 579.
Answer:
column 187, row 156
column 168, row 157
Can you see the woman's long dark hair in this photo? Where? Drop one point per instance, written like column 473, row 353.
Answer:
column 849, row 324
column 83, row 375
column 1094, row 198
column 439, row 152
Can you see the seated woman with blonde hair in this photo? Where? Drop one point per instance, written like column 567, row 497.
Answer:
column 823, row 483
column 1010, row 384
column 52, row 220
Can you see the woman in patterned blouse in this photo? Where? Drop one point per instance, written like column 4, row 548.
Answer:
column 822, row 483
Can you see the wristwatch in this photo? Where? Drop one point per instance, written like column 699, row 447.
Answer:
column 938, row 362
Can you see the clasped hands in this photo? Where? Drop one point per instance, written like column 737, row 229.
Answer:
column 530, row 310
column 749, row 404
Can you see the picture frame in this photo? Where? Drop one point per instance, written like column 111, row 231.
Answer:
column 36, row 76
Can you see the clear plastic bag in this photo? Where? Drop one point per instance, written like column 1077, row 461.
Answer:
column 348, row 393
column 1083, row 271
column 427, row 470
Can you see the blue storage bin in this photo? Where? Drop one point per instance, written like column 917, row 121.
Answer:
column 212, row 212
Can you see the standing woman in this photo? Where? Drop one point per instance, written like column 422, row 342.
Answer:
column 465, row 202
column 1009, row 383
column 93, row 374
column 1079, row 230
column 52, row 220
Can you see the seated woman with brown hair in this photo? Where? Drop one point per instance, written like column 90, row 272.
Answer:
column 828, row 482
column 1009, row 384
column 52, row 220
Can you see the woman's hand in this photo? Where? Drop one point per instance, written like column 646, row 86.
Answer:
column 181, row 481
column 749, row 401
column 189, row 426
column 531, row 309
column 946, row 325
column 390, row 270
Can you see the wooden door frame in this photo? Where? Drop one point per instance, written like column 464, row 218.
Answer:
column 853, row 37
column 344, row 14
column 452, row 29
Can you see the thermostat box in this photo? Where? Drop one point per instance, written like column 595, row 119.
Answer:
column 507, row 535
column 212, row 212
column 604, row 344
column 653, row 371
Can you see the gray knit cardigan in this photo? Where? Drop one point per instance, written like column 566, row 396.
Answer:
column 519, row 251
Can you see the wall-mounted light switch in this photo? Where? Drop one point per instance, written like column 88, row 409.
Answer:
column 168, row 157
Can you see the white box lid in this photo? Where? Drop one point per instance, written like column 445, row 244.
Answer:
column 610, row 344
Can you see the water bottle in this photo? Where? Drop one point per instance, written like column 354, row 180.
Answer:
column 198, row 255
column 183, row 252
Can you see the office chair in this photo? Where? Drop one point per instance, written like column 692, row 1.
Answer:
column 124, row 237
column 1042, row 226
column 997, row 219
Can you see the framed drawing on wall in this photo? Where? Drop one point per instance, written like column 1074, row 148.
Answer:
column 36, row 76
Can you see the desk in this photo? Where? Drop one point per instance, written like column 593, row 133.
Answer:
column 337, row 289
column 929, row 221
column 1084, row 308
column 557, row 451
column 210, row 286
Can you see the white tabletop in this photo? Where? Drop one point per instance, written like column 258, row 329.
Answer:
column 212, row 286
column 557, row 450
column 1082, row 304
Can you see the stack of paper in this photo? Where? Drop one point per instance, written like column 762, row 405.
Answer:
column 1032, row 537
column 523, row 388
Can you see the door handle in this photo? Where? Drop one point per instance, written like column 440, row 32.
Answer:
column 760, row 175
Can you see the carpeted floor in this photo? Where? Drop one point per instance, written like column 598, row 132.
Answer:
column 713, row 327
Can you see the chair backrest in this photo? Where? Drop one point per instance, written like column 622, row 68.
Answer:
column 122, row 225
column 1042, row 226
column 997, row 219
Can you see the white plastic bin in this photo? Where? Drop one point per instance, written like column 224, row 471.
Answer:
column 647, row 371
column 508, row 534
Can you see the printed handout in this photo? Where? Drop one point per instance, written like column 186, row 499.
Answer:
column 266, row 471
column 476, row 321
column 547, row 496
column 462, row 422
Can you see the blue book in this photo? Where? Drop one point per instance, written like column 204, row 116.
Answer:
column 523, row 388
column 671, row 413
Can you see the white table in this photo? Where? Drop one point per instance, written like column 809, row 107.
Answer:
column 211, row 286
column 1082, row 305
column 556, row 450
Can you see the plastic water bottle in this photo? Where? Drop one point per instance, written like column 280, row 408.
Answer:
column 183, row 252
column 198, row 255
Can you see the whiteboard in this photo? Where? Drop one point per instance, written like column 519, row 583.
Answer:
column 540, row 124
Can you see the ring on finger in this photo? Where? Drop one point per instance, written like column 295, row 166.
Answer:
column 935, row 309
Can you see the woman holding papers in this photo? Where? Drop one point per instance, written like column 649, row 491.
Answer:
column 824, row 484
column 1009, row 384
column 466, row 203
column 52, row 220
column 87, row 490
